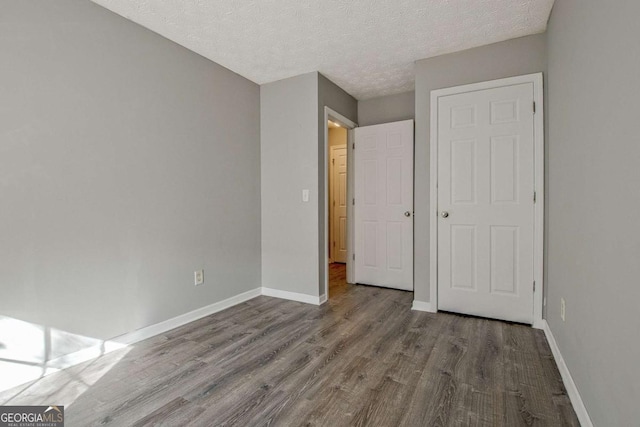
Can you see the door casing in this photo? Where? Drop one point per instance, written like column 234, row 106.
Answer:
column 538, row 241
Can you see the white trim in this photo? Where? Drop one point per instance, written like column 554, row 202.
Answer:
column 183, row 319
column 334, row 116
column 538, row 227
column 122, row 341
column 422, row 306
column 538, row 122
column 350, row 208
column 433, row 205
column 291, row 296
column 538, row 324
column 572, row 390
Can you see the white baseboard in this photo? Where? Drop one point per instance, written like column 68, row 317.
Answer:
column 323, row 299
column 133, row 337
column 292, row 296
column 539, row 324
column 183, row 319
column 422, row 306
column 107, row 346
column 572, row 390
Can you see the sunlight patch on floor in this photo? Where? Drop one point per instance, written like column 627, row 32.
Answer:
column 30, row 352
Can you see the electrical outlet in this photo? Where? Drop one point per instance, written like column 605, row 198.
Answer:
column 562, row 308
column 198, row 277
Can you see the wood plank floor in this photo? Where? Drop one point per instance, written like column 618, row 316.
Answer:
column 362, row 359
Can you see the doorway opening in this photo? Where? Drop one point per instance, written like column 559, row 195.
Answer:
column 337, row 206
column 338, row 212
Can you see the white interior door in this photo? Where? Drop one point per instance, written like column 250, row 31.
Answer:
column 338, row 202
column 384, row 205
column 486, row 202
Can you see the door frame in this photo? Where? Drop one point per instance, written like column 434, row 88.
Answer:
column 334, row 116
column 538, row 130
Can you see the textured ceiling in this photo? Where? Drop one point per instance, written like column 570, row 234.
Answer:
column 368, row 47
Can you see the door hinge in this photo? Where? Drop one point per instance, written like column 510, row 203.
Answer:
column 353, row 145
column 534, row 107
column 333, row 161
column 534, row 197
column 353, row 202
column 534, row 286
column 353, row 257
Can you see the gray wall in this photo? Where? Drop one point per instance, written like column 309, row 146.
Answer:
column 289, row 147
column 594, row 177
column 525, row 55
column 385, row 109
column 126, row 163
column 332, row 96
column 293, row 155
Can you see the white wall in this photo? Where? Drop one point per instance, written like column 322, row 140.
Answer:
column 126, row 163
column 289, row 164
column 594, row 177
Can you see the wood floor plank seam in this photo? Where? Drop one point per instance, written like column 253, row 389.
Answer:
column 364, row 358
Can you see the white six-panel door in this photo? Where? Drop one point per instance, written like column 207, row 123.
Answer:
column 384, row 205
column 339, row 204
column 485, row 191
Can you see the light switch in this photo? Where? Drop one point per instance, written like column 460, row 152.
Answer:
column 305, row 195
